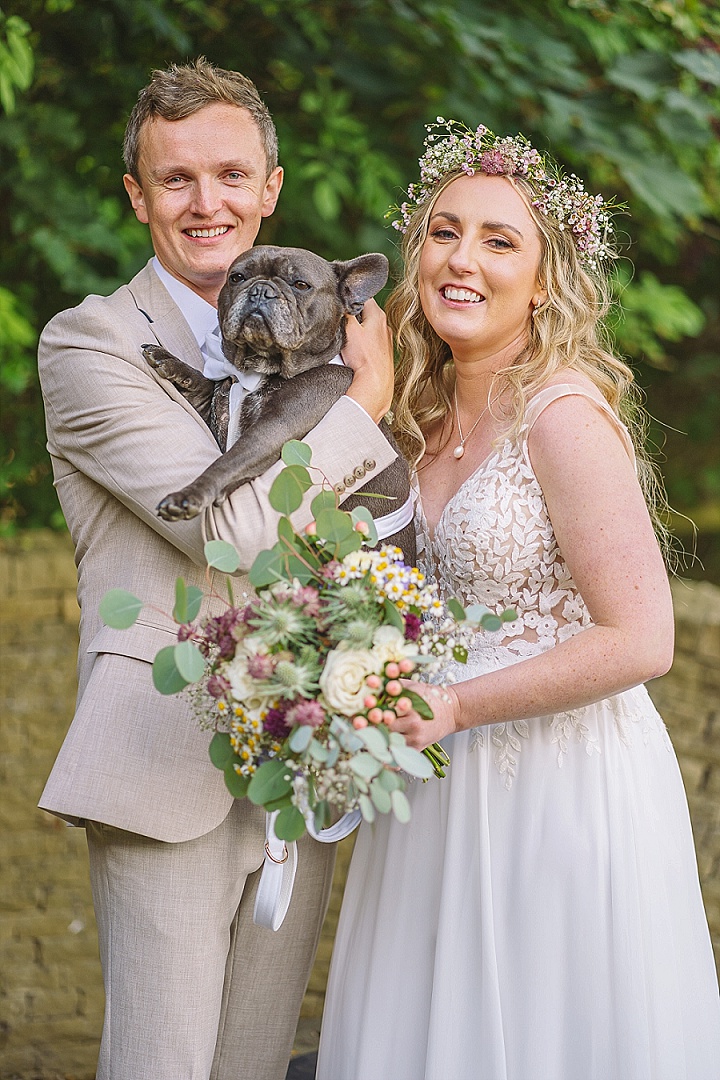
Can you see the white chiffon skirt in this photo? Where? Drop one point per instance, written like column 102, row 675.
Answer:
column 540, row 918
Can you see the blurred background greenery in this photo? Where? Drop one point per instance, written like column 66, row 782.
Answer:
column 625, row 92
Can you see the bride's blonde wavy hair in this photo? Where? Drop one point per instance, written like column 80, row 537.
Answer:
column 567, row 332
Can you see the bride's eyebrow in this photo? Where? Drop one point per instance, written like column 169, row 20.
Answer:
column 502, row 226
column 490, row 226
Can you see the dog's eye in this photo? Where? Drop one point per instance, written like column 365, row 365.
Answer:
column 236, row 277
column 301, row 285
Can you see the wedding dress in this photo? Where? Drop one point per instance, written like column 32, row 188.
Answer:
column 540, row 917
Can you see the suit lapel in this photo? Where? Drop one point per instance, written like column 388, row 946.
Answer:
column 166, row 322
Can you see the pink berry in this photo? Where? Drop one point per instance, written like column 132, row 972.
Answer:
column 370, row 701
column 389, row 715
column 403, row 704
column 311, row 529
column 392, row 670
column 406, row 666
column 362, row 527
column 374, row 682
column 394, row 688
column 375, row 716
column 359, row 722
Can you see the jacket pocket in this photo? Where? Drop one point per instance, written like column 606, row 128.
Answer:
column 140, row 641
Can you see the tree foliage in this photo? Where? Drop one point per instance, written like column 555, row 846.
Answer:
column 625, row 92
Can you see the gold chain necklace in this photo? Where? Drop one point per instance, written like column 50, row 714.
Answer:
column 460, row 448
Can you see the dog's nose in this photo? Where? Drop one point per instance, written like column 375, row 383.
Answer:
column 263, row 290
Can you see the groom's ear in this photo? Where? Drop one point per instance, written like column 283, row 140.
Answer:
column 359, row 279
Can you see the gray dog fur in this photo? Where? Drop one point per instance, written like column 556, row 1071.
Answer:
column 282, row 313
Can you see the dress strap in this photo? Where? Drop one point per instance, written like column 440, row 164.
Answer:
column 548, row 394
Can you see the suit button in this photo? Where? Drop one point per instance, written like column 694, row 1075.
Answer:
column 359, row 472
column 349, row 480
column 339, row 489
column 369, row 465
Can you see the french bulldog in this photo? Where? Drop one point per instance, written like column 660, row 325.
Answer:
column 282, row 314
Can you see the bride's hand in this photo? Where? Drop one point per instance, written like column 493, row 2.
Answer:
column 369, row 352
column 419, row 732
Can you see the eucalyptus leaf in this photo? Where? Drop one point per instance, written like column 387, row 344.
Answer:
column 236, row 783
column 289, row 824
column 301, row 738
column 376, row 742
column 392, row 615
column 271, row 781
column 220, row 749
column 413, row 762
column 334, row 525
column 456, row 609
column 361, row 513
column 318, row 752
column 322, row 816
column 367, row 809
column 288, row 489
column 380, row 797
column 324, row 500
column 189, row 661
column 401, row 806
column 390, row 780
column 475, row 612
column 267, row 569
column 119, row 609
column 166, row 677
column 364, row 765
column 221, row 556
column 296, row 453
column 491, row 623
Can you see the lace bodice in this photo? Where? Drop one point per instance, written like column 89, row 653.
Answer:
column 494, row 544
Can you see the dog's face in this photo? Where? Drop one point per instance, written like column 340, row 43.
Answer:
column 281, row 310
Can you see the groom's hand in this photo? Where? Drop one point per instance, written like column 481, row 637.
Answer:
column 369, row 352
column 419, row 732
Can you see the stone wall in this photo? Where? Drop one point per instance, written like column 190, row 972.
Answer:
column 51, row 995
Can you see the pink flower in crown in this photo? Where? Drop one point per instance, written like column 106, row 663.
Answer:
column 307, row 713
column 494, row 163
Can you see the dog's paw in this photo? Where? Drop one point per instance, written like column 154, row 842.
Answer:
column 168, row 366
column 180, row 506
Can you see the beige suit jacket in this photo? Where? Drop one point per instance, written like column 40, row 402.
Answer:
column 120, row 439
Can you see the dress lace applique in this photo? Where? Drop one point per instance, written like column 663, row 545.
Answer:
column 494, row 545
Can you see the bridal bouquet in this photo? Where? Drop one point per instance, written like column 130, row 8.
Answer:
column 300, row 682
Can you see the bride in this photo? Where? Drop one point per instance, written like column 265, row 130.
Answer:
column 540, row 918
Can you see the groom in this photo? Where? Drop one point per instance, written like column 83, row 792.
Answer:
column 194, row 990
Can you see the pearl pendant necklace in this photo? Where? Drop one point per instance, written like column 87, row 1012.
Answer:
column 459, row 450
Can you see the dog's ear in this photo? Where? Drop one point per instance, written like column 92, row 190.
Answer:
column 359, row 279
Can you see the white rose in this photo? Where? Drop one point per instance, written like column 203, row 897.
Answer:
column 243, row 688
column 389, row 644
column 343, row 679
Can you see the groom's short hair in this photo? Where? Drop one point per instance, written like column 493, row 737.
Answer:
column 181, row 89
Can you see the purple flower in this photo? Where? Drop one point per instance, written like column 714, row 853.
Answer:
column 413, row 625
column 217, row 686
column 220, row 631
column 275, row 723
column 185, row 632
column 307, row 713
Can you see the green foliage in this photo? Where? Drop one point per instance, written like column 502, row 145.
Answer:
column 625, row 92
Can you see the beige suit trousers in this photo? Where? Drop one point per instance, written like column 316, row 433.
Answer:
column 194, row 990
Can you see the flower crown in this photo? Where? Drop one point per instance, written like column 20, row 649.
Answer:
column 451, row 145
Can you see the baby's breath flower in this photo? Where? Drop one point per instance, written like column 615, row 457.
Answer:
column 451, row 146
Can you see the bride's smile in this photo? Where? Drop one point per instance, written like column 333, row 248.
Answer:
column 479, row 266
